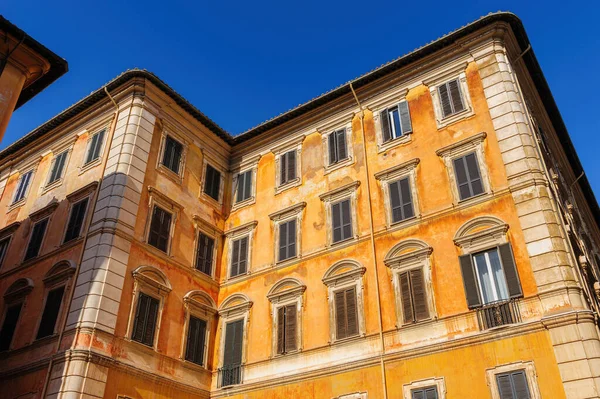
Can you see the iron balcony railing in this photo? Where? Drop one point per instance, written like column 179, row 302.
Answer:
column 230, row 374
column 499, row 313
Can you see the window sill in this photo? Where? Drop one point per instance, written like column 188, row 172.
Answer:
column 399, row 223
column 218, row 204
column 474, row 198
column 90, row 165
column 237, row 277
column 148, row 348
column 52, row 185
column 348, row 339
column 194, row 366
column 162, row 169
column 285, row 262
column 247, row 202
column 292, row 183
column 16, row 205
column 338, row 165
column 286, row 354
column 344, row 241
column 448, row 120
column 404, row 139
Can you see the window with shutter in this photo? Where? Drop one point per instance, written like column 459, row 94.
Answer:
column 401, row 200
column 172, row 154
column 23, row 186
column 395, row 122
column 36, row 239
column 196, row 339
column 451, row 100
column 204, row 253
column 346, row 315
column 287, row 165
column 341, row 221
column 3, row 248
column 513, row 385
column 11, row 318
column 94, row 147
column 287, row 240
column 232, row 353
column 212, row 182
column 424, row 393
column 160, row 229
column 468, row 176
column 146, row 319
column 286, row 329
column 51, row 311
column 338, row 149
column 58, row 166
column 413, row 296
column 243, row 189
column 76, row 219
column 239, row 257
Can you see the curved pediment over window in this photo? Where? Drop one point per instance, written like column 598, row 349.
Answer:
column 18, row 290
column 343, row 272
column 200, row 301
column 407, row 252
column 235, row 304
column 153, row 278
column 60, row 272
column 286, row 289
column 480, row 233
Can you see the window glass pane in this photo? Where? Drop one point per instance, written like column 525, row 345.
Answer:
column 3, row 248
column 485, row 279
column 395, row 122
column 491, row 276
column 498, row 273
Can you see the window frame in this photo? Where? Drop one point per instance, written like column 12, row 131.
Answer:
column 203, row 227
column 458, row 73
column 245, row 230
column 72, row 203
column 95, row 131
column 295, row 144
column 530, row 375
column 391, row 175
column 168, row 205
column 438, row 382
column 239, row 166
column 53, row 184
column 383, row 105
column 16, row 294
column 217, row 201
column 235, row 307
column 283, row 216
column 348, row 191
column 289, row 291
column 349, row 160
column 14, row 203
column 200, row 305
column 7, row 234
column 176, row 176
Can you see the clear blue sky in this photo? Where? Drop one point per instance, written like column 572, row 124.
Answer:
column 242, row 63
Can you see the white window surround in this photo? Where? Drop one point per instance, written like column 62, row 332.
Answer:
column 56, row 152
column 347, row 191
column 457, row 71
column 178, row 177
column 349, row 148
column 235, row 307
column 198, row 304
column 204, row 227
column 437, row 382
column 285, row 292
column 26, row 169
column 91, row 132
column 244, row 166
column 153, row 282
column 481, row 233
column 411, row 254
column 291, row 145
column 156, row 198
column 378, row 108
column 393, row 174
column 221, row 170
column 341, row 275
column 356, row 395
column 463, row 147
column 246, row 229
column 47, row 212
column 74, row 198
column 285, row 215
column 530, row 374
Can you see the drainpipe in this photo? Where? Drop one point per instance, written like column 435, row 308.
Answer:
column 84, row 242
column 372, row 237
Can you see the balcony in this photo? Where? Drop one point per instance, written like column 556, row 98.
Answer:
column 498, row 313
column 230, row 374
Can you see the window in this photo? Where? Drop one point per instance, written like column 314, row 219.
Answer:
column 36, row 239
column 212, row 182
column 287, row 240
column 395, row 122
column 171, row 158
column 205, row 253
column 401, row 202
column 94, row 147
column 23, row 186
column 9, row 325
column 414, row 299
column 287, row 167
column 513, row 381
column 196, row 340
column 4, row 248
column 513, row 385
column 160, row 229
column 232, row 353
column 338, row 149
column 243, row 186
column 399, row 190
column 341, row 220
column 346, row 316
column 146, row 316
column 468, row 177
column 451, row 101
column 57, row 167
column 51, row 311
column 239, row 257
column 76, row 218
column 286, row 329
column 424, row 393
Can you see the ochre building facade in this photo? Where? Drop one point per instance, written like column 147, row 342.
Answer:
column 424, row 231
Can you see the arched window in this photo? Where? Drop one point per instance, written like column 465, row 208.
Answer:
column 200, row 311
column 286, row 309
column 14, row 298
column 57, row 283
column 235, row 314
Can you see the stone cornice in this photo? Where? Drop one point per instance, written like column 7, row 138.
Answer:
column 397, row 170
column 244, row 228
column 8, row 230
column 287, row 212
column 409, row 257
column 462, row 144
column 340, row 191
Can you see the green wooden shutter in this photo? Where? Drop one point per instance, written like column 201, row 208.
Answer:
column 445, row 102
column 519, row 382
column 9, row 325
column 204, row 255
column 332, row 148
column 346, row 219
column 351, row 312
column 336, row 221
column 386, row 131
column 76, row 218
column 196, row 340
column 3, row 248
column 405, row 298
column 160, row 229
column 281, row 330
column 462, row 179
column 510, row 271
column 340, row 315
column 290, row 328
column 456, row 96
column 283, row 243
column 291, row 169
column 342, row 151
column 235, row 259
column 283, row 167
column 419, row 295
column 474, row 174
column 51, row 311
column 140, row 317
column 406, row 199
column 405, row 121
column 151, row 321
column 37, row 236
column 232, row 355
column 469, row 281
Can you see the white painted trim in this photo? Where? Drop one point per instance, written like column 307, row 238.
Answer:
column 177, row 177
column 437, row 382
column 530, row 374
column 349, row 148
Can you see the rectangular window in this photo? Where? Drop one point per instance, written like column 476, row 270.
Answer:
column 9, row 326
column 468, row 177
column 58, row 166
column 35, row 241
column 212, row 183
column 413, row 295
column 286, row 329
column 3, row 248
column 231, row 372
column 76, row 218
column 338, row 150
column 196, row 339
column 239, row 257
column 204, row 253
column 341, row 220
column 146, row 317
column 23, row 186
column 424, row 393
column 401, row 200
column 244, row 186
column 172, row 154
column 451, row 100
column 51, row 311
column 490, row 276
column 513, row 385
column 95, row 146
column 287, row 164
column 346, row 315
column 160, row 229
column 287, row 240
column 395, row 122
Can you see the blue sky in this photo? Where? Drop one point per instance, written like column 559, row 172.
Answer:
column 242, row 63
